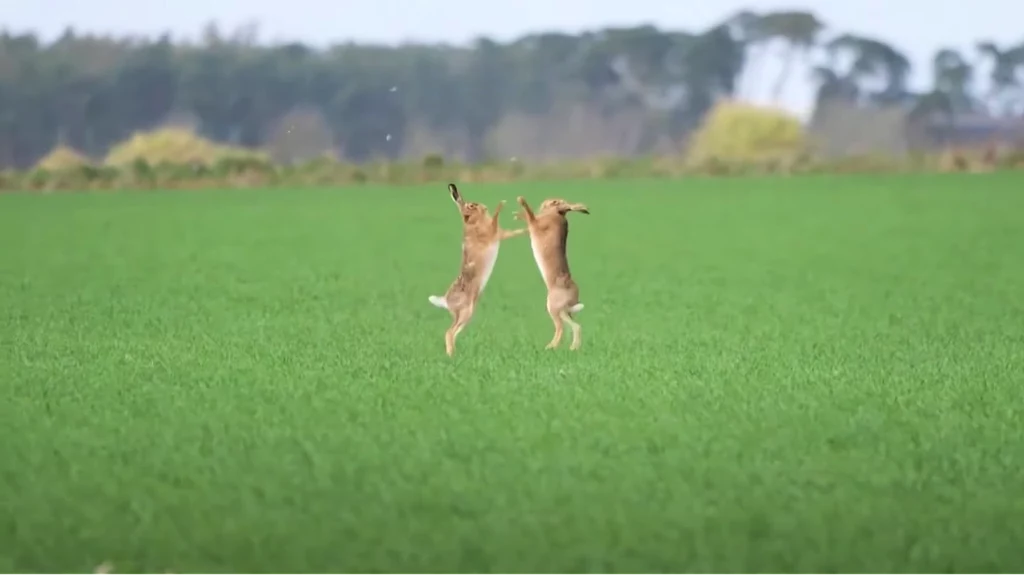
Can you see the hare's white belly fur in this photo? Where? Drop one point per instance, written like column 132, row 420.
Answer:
column 490, row 258
column 539, row 260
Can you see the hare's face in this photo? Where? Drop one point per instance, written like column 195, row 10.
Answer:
column 553, row 204
column 473, row 212
column 561, row 206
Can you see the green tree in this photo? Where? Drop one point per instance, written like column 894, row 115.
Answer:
column 797, row 30
column 953, row 76
column 1005, row 94
column 866, row 69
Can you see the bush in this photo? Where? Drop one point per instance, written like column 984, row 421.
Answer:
column 39, row 179
column 62, row 158
column 175, row 146
column 725, row 146
column 734, row 133
column 433, row 162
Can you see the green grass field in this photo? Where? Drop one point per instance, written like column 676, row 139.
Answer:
column 810, row 374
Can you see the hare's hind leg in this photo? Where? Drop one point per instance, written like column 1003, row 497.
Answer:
column 459, row 320
column 575, row 327
column 556, row 318
column 561, row 313
column 449, row 335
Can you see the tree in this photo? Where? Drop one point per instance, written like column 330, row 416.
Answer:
column 952, row 76
column 797, row 30
column 877, row 70
column 1005, row 91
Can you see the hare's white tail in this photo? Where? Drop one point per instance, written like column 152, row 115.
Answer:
column 576, row 308
column 439, row 301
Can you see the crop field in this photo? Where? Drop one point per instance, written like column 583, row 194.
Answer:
column 815, row 374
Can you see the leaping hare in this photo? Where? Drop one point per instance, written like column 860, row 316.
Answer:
column 549, row 232
column 481, row 238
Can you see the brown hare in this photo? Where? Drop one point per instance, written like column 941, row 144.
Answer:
column 481, row 238
column 549, row 232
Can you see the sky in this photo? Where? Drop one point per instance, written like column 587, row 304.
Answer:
column 918, row 27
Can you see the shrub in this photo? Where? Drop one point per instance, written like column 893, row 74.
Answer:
column 175, row 146
column 736, row 133
column 230, row 167
column 1012, row 160
column 433, row 162
column 39, row 179
column 62, row 158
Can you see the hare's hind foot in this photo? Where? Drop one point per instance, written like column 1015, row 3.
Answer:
column 556, row 318
column 566, row 316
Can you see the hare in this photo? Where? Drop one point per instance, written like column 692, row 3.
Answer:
column 481, row 238
column 549, row 232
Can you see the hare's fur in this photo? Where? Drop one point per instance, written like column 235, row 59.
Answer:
column 481, row 238
column 549, row 232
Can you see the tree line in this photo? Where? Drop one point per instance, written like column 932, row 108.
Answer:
column 376, row 101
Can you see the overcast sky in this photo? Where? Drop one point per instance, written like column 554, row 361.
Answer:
column 916, row 26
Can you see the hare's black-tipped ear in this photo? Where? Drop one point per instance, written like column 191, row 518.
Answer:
column 456, row 196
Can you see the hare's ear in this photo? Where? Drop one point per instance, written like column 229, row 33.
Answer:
column 456, row 196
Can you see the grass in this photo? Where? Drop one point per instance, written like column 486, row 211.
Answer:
column 813, row 374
